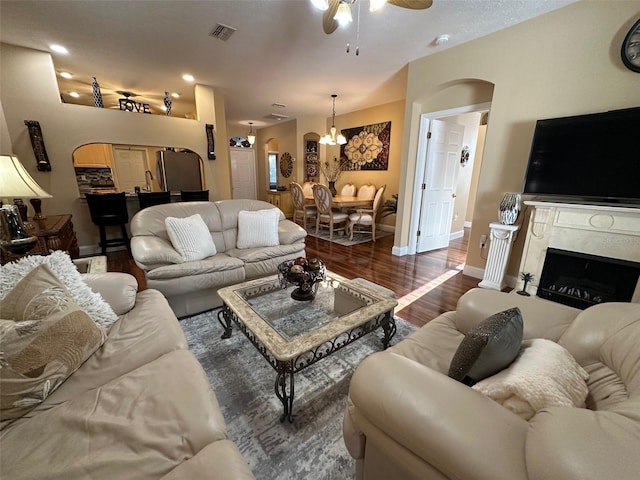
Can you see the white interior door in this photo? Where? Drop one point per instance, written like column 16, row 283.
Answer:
column 439, row 185
column 243, row 173
column 129, row 167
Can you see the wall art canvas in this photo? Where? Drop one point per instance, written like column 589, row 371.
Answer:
column 367, row 147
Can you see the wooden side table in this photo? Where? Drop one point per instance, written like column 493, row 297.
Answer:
column 54, row 233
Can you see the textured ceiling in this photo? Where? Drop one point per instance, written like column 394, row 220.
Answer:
column 279, row 53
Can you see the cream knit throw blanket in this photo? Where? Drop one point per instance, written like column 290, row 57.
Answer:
column 544, row 374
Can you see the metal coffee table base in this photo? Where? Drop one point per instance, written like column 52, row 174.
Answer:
column 284, row 384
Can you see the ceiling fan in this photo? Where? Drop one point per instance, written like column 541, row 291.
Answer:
column 334, row 10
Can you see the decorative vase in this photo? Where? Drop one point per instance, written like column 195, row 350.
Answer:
column 97, row 95
column 22, row 208
column 509, row 209
column 332, row 188
column 167, row 103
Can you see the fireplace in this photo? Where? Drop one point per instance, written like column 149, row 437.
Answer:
column 581, row 280
column 596, row 248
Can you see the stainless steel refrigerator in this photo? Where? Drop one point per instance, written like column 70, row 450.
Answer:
column 178, row 171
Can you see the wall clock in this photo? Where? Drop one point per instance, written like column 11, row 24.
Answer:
column 286, row 166
column 631, row 48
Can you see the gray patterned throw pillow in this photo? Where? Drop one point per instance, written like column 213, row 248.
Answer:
column 488, row 348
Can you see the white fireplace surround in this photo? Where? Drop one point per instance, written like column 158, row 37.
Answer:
column 607, row 231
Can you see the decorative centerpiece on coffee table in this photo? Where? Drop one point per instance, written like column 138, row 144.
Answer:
column 305, row 274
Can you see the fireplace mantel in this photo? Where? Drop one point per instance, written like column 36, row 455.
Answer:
column 607, row 231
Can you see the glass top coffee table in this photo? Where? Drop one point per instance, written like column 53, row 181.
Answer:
column 292, row 335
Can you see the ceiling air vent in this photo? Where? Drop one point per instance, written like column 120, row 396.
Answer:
column 276, row 116
column 222, row 32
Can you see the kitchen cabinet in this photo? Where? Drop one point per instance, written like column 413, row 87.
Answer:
column 282, row 200
column 93, row 155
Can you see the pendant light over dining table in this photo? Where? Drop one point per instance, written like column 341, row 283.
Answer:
column 251, row 137
column 330, row 138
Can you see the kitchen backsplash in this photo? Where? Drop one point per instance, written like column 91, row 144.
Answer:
column 92, row 180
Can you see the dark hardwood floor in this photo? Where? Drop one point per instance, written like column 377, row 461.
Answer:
column 426, row 284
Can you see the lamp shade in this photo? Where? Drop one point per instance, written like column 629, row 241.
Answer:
column 16, row 182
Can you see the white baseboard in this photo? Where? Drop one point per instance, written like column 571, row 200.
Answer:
column 477, row 272
column 400, row 251
column 474, row 272
column 455, row 235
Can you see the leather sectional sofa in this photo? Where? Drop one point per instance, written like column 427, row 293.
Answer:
column 191, row 287
column 407, row 419
column 140, row 407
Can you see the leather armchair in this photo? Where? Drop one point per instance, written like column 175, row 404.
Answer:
column 406, row 419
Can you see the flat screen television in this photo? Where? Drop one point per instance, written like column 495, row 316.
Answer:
column 593, row 157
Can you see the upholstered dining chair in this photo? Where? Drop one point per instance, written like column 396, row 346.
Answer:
column 307, row 188
column 367, row 191
column 326, row 215
column 348, row 190
column 300, row 210
column 366, row 217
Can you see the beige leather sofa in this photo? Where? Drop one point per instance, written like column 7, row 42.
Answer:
column 139, row 408
column 192, row 287
column 406, row 419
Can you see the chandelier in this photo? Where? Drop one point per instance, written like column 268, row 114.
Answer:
column 330, row 138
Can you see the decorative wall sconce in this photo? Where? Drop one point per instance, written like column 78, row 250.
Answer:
column 37, row 142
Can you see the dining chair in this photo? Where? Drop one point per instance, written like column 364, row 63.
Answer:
column 366, row 216
column 348, row 190
column 194, row 195
column 367, row 191
column 326, row 214
column 148, row 199
column 299, row 207
column 307, row 188
column 106, row 210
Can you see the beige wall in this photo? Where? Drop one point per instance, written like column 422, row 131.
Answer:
column 471, row 123
column 393, row 112
column 29, row 91
column 566, row 62
column 281, row 137
column 475, row 174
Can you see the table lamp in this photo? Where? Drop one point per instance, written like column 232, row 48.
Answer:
column 15, row 182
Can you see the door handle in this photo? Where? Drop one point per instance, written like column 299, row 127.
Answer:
column 453, row 195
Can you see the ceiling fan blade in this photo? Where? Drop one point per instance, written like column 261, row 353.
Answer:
column 329, row 25
column 412, row 4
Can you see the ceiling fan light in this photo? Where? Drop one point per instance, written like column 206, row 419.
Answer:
column 321, row 4
column 376, row 5
column 343, row 14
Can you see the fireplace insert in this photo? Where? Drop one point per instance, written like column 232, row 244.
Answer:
column 581, row 280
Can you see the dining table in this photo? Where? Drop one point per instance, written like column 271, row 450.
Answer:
column 341, row 201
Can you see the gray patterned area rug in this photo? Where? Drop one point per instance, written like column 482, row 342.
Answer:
column 311, row 448
column 338, row 237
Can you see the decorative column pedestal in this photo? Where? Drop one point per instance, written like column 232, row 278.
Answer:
column 501, row 241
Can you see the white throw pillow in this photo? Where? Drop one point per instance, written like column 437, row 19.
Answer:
column 62, row 267
column 258, row 228
column 190, row 237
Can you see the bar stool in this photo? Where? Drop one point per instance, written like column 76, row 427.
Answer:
column 194, row 195
column 109, row 209
column 148, row 199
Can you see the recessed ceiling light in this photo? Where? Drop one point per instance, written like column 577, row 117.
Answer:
column 74, row 94
column 188, row 78
column 66, row 75
column 175, row 95
column 440, row 39
column 59, row 49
